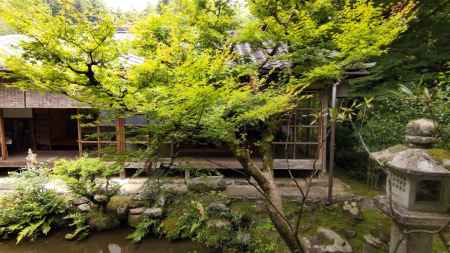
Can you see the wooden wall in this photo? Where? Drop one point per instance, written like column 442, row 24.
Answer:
column 16, row 98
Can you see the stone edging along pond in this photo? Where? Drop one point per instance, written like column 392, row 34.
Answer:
column 203, row 211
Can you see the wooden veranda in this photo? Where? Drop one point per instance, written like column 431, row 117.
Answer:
column 299, row 145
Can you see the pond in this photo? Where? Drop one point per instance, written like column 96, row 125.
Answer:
column 105, row 242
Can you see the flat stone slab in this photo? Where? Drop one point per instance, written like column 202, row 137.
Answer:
column 235, row 187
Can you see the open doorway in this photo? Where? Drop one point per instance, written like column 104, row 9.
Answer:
column 40, row 130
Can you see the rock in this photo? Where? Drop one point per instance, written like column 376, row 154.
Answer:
column 421, row 132
column 206, row 184
column 119, row 204
column 372, row 244
column 161, row 201
column 349, row 233
column 84, row 207
column 80, row 201
column 101, row 198
column 154, row 212
column 367, row 203
column 134, row 219
column 217, row 209
column 137, row 203
column 421, row 127
column 446, row 163
column 218, row 224
column 353, row 209
column 101, row 221
column 138, row 210
column 328, row 241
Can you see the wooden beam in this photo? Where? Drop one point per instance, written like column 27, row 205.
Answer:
column 120, row 135
column 3, row 147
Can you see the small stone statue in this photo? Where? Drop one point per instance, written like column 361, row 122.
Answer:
column 31, row 161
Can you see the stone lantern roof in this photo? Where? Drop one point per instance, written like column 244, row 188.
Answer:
column 414, row 158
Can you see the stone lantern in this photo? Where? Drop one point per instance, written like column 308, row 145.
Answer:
column 417, row 189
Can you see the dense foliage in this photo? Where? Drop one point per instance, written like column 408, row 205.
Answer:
column 192, row 84
column 33, row 210
column 416, row 55
column 89, row 178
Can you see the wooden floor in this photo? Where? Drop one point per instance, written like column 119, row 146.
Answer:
column 18, row 161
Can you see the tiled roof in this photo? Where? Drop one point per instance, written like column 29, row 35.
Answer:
column 9, row 46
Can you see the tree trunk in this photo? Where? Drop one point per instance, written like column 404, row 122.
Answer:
column 273, row 199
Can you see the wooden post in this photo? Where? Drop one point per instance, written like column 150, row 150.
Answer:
column 332, row 142
column 3, row 147
column 80, row 144
column 120, row 135
column 323, row 129
column 99, row 145
column 120, row 140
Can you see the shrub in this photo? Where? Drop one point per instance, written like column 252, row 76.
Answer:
column 33, row 210
column 89, row 177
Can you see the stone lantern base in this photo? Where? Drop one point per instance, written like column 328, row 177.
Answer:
column 417, row 242
column 412, row 243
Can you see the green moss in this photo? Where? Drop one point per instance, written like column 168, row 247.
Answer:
column 243, row 207
column 100, row 221
column 358, row 187
column 119, row 201
column 438, row 245
column 440, row 154
column 397, row 148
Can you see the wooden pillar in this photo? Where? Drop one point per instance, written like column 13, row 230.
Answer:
column 120, row 139
column 120, row 135
column 80, row 144
column 99, row 145
column 3, row 147
column 323, row 126
column 332, row 141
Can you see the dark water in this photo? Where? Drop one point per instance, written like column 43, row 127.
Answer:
column 105, row 242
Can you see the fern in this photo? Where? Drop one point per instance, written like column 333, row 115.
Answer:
column 82, row 229
column 145, row 227
column 32, row 210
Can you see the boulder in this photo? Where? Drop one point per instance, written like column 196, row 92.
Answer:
column 101, row 221
column 206, row 184
column 137, row 203
column 161, row 201
column 328, row 241
column 119, row 204
column 136, row 211
column 155, row 213
column 217, row 209
column 349, row 233
column 372, row 244
column 353, row 209
column 446, row 163
column 84, row 207
column 100, row 198
column 80, row 201
column 134, row 219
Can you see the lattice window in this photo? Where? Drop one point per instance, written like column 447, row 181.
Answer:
column 299, row 136
column 398, row 182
